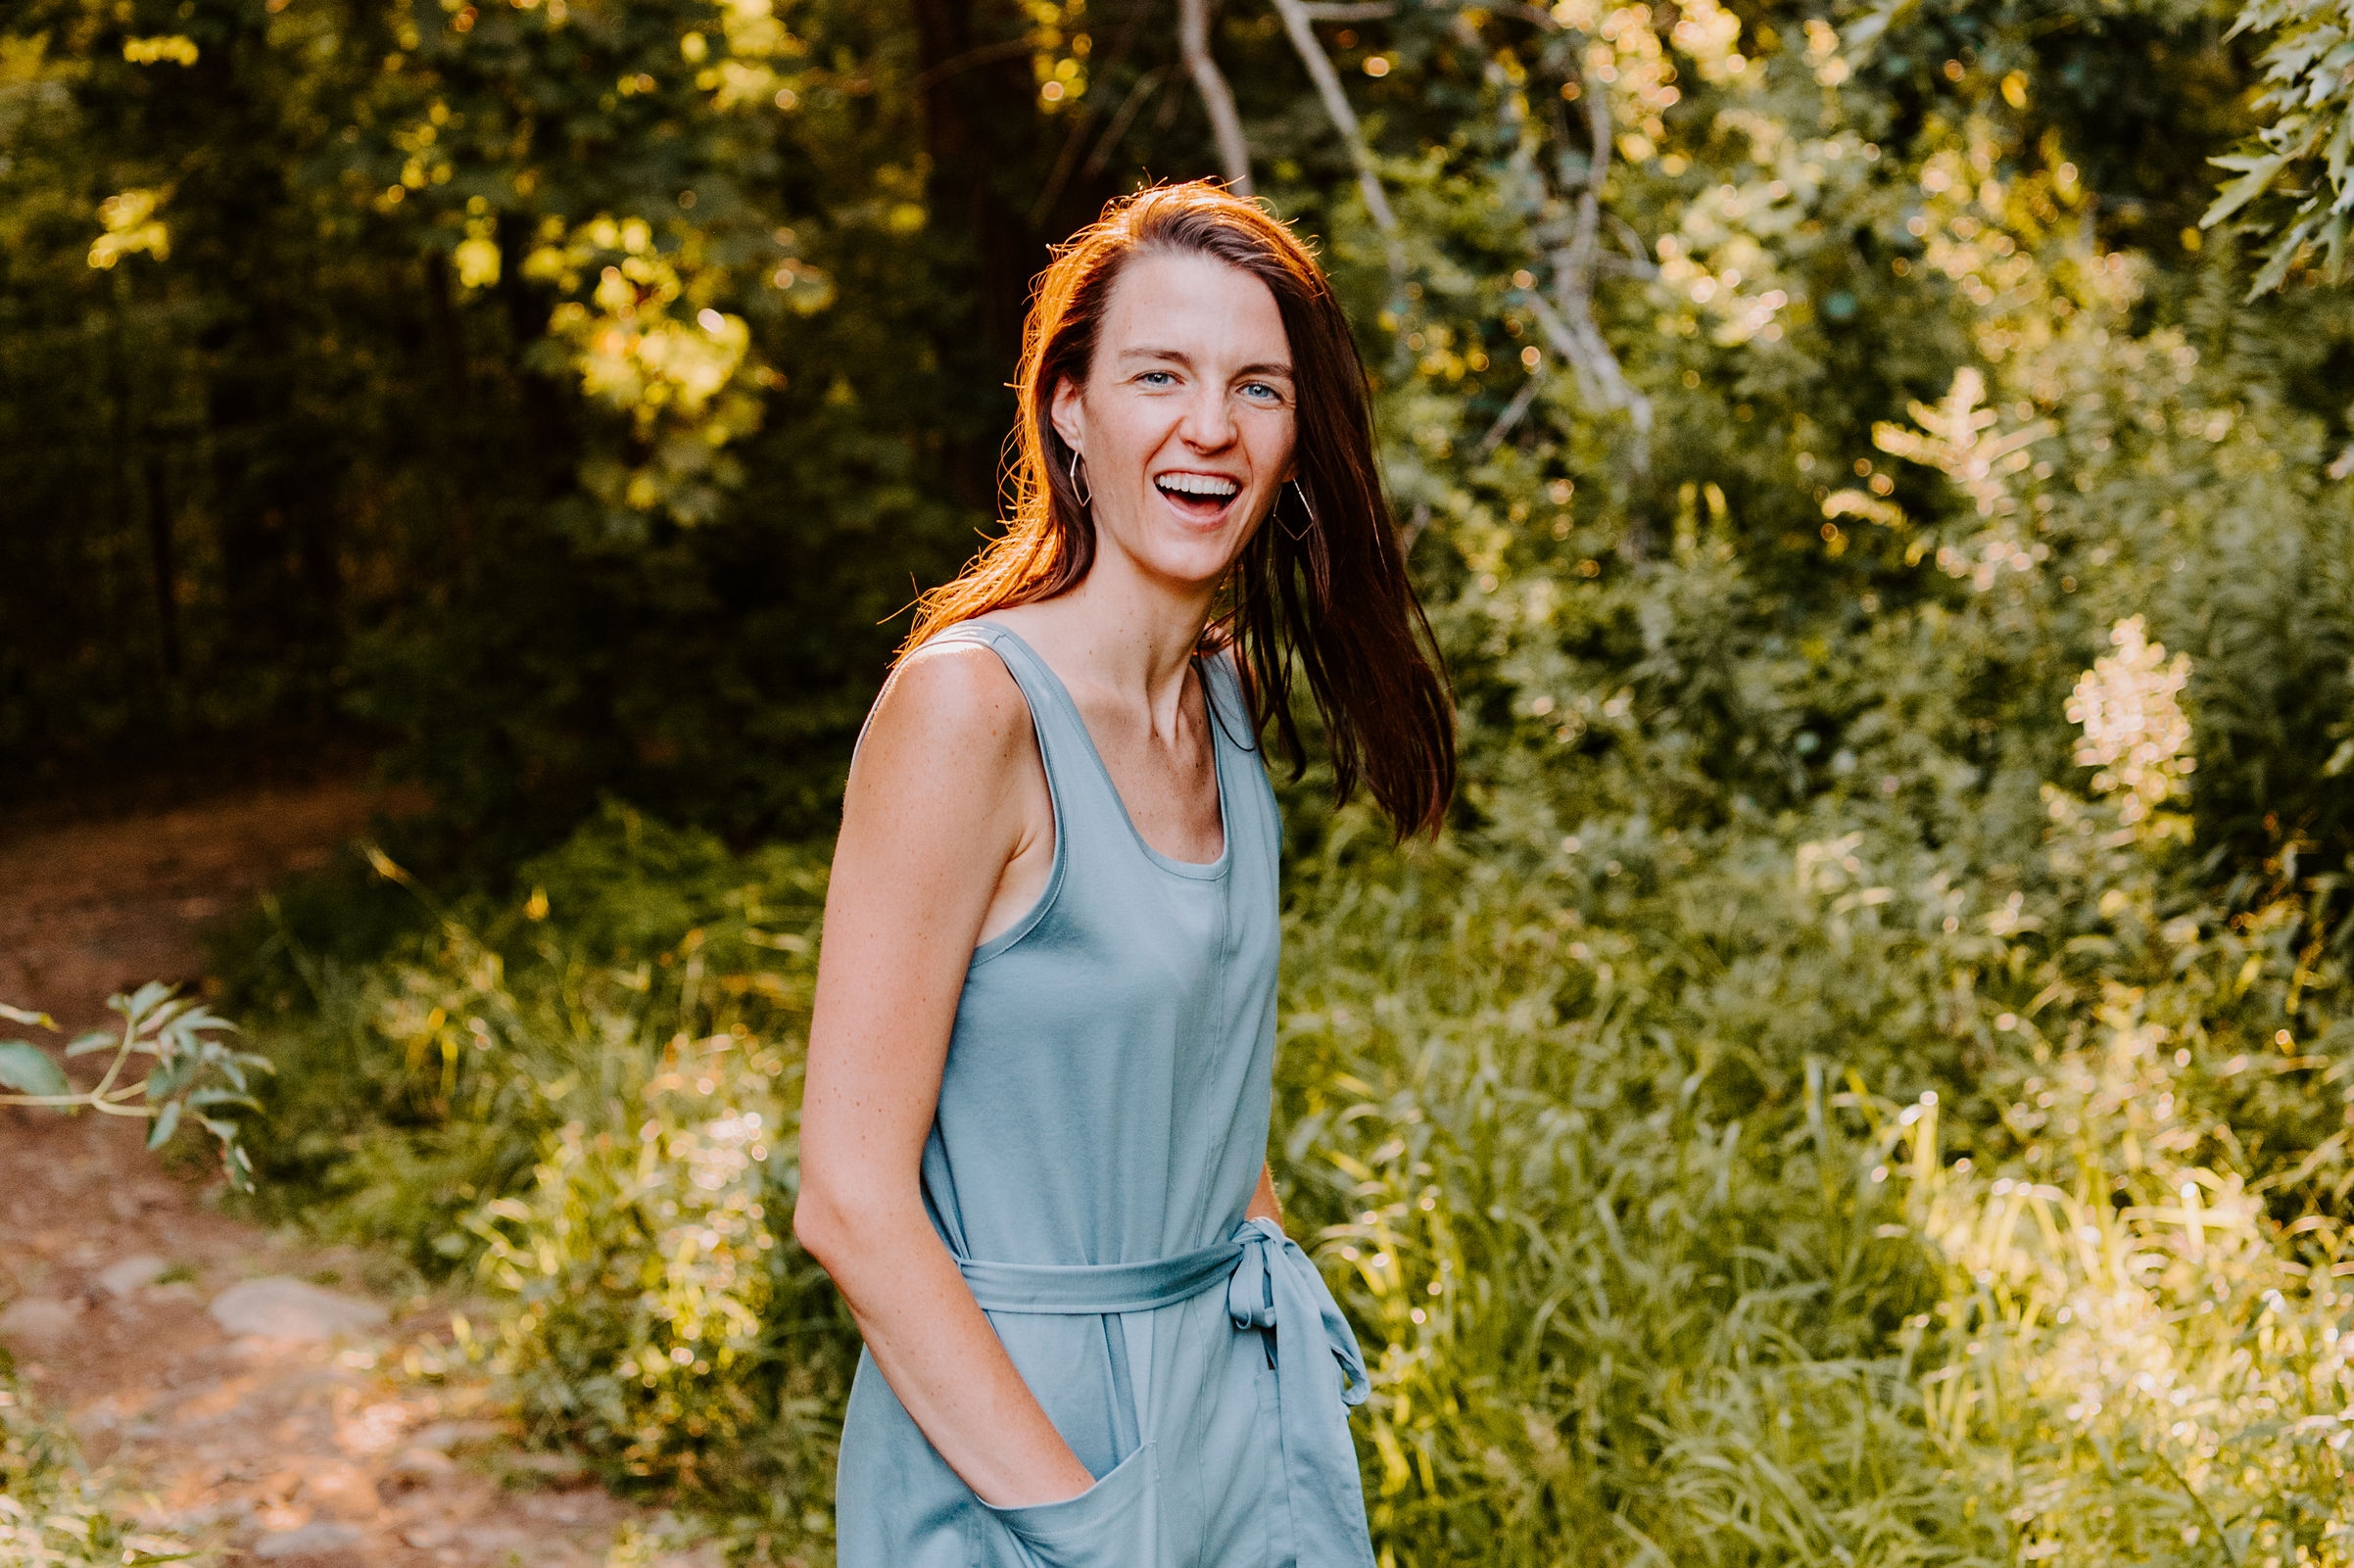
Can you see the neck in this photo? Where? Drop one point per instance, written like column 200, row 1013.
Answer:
column 1121, row 630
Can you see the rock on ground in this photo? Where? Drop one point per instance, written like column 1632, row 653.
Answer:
column 132, row 1274
column 319, row 1543
column 36, row 1322
column 282, row 1308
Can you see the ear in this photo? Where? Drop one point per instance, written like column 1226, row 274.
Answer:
column 1068, row 411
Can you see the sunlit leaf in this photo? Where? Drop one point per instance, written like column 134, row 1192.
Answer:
column 167, row 1121
column 29, row 1069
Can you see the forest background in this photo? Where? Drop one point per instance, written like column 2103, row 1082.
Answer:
column 1865, row 1079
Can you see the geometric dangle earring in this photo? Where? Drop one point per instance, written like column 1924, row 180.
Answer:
column 1306, row 505
column 1086, row 497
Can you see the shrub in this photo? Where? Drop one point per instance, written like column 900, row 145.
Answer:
column 585, row 1097
column 1931, row 1162
column 1785, row 1191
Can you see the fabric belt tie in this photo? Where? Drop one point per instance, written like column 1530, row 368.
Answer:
column 1273, row 1287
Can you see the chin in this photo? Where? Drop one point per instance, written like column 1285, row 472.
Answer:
column 1196, row 563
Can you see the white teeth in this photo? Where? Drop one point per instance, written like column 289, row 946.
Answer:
column 1199, row 485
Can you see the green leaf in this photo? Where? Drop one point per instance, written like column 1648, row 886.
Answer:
column 169, row 1080
column 95, row 1040
column 167, row 1123
column 29, row 1069
column 17, row 1015
column 2281, row 259
column 2244, row 190
column 167, row 1020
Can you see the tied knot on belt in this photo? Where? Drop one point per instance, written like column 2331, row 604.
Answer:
column 1254, row 1300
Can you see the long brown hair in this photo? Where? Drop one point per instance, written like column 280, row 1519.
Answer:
column 1321, row 585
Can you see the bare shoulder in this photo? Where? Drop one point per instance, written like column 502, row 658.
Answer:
column 960, row 690
column 949, row 710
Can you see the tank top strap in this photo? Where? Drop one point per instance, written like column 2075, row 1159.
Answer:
column 1086, row 803
column 1064, row 746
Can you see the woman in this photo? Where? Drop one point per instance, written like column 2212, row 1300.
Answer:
column 1034, row 1139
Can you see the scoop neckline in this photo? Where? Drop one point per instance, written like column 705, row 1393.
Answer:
column 1195, row 870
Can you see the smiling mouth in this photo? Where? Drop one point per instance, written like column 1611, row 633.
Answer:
column 1200, row 498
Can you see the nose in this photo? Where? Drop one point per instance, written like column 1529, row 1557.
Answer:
column 1209, row 424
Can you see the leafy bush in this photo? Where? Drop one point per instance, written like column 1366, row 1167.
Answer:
column 1771, row 1189
column 197, row 1077
column 1643, row 1273
column 586, row 1097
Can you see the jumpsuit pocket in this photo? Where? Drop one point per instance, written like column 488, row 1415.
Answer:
column 1114, row 1524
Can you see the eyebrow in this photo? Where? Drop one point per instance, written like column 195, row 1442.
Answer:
column 1178, row 357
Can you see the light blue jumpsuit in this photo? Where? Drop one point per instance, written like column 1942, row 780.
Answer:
column 1102, row 1120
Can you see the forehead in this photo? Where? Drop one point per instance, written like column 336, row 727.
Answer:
column 1197, row 306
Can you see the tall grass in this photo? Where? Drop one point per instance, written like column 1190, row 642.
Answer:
column 1654, row 1207
column 587, row 1100
column 1783, row 1192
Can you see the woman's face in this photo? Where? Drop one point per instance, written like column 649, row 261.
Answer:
column 1186, row 424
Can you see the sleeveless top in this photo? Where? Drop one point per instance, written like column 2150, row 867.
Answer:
column 1103, row 1116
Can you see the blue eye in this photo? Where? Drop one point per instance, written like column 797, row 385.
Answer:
column 1260, row 389
column 1157, row 378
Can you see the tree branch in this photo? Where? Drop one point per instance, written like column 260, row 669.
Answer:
column 1568, row 319
column 1514, row 412
column 1414, row 529
column 1311, row 54
column 925, row 80
column 1084, row 121
column 1138, row 95
column 1573, row 291
column 1536, row 16
column 1218, row 99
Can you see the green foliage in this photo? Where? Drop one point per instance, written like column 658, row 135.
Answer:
column 1744, row 1201
column 196, row 1076
column 586, row 1098
column 2299, row 155
column 1772, row 1190
column 1863, row 1079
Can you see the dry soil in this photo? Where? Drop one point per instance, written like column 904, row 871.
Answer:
column 344, row 1432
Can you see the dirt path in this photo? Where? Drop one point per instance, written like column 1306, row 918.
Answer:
column 251, row 1391
column 87, row 908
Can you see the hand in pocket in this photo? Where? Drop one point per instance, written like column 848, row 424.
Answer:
column 1114, row 1523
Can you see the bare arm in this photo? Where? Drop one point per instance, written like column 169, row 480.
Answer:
column 1263, row 1202
column 944, row 795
